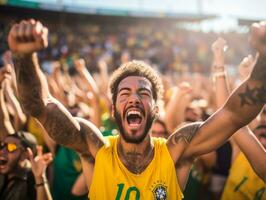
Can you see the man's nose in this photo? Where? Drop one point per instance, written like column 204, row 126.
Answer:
column 134, row 98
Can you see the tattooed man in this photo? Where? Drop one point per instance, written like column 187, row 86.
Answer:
column 132, row 165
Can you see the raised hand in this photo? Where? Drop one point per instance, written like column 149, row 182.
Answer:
column 5, row 73
column 40, row 162
column 27, row 37
column 218, row 48
column 258, row 37
column 257, row 40
column 80, row 65
column 246, row 66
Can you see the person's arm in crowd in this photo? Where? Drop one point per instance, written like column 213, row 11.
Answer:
column 7, row 58
column 25, row 39
column 242, row 106
column 59, row 77
column 93, row 89
column 54, row 88
column 219, row 73
column 103, row 69
column 19, row 117
column 80, row 187
column 85, row 74
column 244, row 137
column 6, row 126
column 175, row 109
column 246, row 66
column 38, row 167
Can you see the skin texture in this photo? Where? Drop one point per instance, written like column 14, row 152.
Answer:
column 135, row 93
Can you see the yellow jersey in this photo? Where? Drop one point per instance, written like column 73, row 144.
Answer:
column 243, row 183
column 113, row 181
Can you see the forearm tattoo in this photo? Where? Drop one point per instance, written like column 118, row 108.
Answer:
column 186, row 133
column 29, row 85
column 253, row 96
column 259, row 70
column 64, row 132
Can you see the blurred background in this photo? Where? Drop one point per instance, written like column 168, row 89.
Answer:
column 89, row 39
column 174, row 35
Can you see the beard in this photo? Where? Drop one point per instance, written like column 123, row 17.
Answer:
column 124, row 134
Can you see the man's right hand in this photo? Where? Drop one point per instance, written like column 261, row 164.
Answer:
column 27, row 37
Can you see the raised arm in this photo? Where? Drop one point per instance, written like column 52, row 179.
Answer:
column 20, row 118
column 25, row 39
column 243, row 139
column 6, row 126
column 240, row 108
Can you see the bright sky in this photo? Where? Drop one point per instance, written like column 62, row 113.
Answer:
column 248, row 9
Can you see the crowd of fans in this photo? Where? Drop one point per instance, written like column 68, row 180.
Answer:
column 77, row 65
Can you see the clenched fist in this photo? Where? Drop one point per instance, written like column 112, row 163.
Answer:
column 258, row 37
column 27, row 37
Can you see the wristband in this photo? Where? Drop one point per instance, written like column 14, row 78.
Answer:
column 218, row 75
column 40, row 184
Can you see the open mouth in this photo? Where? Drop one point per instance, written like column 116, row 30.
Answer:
column 3, row 161
column 134, row 118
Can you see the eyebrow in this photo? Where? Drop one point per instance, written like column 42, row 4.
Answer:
column 125, row 88
column 140, row 89
column 145, row 89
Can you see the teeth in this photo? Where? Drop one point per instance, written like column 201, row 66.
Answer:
column 133, row 112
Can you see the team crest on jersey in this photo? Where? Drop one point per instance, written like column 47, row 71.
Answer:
column 159, row 191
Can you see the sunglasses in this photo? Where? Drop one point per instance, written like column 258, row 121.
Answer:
column 10, row 147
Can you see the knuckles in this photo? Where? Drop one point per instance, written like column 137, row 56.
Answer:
column 28, row 32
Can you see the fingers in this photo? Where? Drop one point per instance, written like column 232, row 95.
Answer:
column 257, row 37
column 30, row 154
column 79, row 63
column 39, row 150
column 219, row 45
column 5, row 73
column 28, row 36
column 47, row 157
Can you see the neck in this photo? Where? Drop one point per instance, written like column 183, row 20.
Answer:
column 136, row 157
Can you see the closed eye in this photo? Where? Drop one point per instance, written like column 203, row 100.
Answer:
column 124, row 93
column 145, row 94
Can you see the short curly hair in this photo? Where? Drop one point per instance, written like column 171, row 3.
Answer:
column 136, row 68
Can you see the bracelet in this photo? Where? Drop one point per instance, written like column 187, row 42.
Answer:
column 218, row 75
column 40, row 184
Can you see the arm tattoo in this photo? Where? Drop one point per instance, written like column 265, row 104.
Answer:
column 61, row 130
column 61, row 127
column 253, row 96
column 259, row 70
column 29, row 84
column 185, row 133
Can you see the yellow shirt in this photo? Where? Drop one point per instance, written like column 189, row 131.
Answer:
column 113, row 181
column 36, row 129
column 243, row 183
